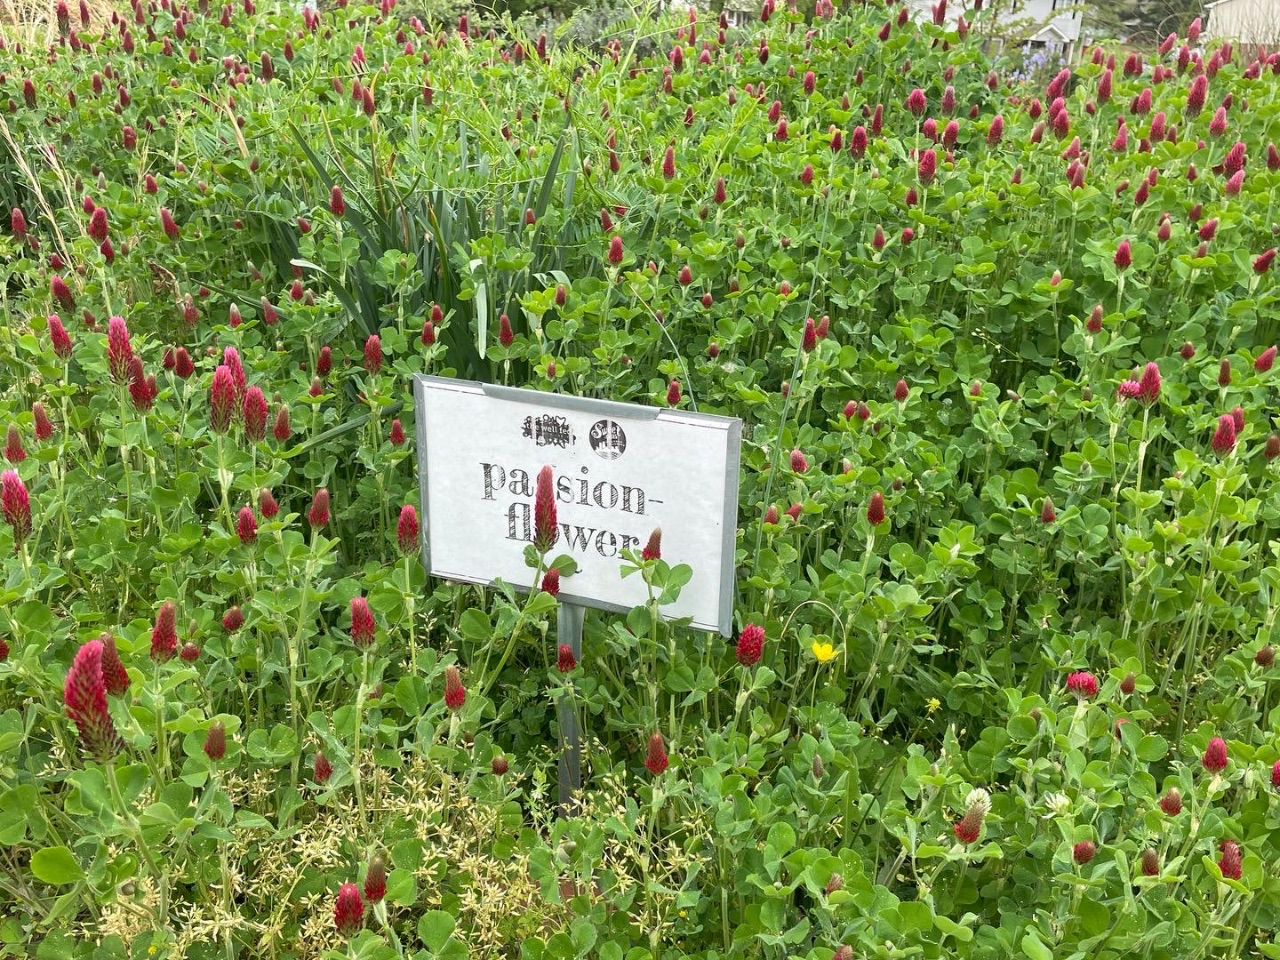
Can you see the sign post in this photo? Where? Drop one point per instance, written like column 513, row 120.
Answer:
column 620, row 470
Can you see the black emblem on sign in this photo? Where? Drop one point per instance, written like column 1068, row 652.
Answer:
column 607, row 439
column 547, row 430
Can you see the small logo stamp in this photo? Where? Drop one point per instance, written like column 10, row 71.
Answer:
column 549, row 431
column 607, row 439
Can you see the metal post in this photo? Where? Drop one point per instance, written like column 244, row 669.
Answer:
column 569, row 631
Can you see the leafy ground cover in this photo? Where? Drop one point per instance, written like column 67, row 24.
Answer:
column 1002, row 682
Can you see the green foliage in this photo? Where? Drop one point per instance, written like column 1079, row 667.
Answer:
column 903, row 771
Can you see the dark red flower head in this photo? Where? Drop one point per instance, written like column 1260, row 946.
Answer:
column 232, row 620
column 656, row 760
column 455, row 694
column 267, row 505
column 169, row 224
column 373, row 354
column 653, row 548
column 551, row 582
column 13, row 449
column 396, row 435
column 1124, row 256
column 318, row 515
column 215, row 741
column 1229, row 862
column 1083, row 852
column 615, row 250
column 348, row 912
column 750, row 645
column 1224, row 437
column 1171, row 802
column 1215, row 755
column 1150, row 862
column 222, row 399
column 545, row 528
column 164, row 635
column 114, row 674
column 565, row 660
column 1265, row 360
column 673, row 393
column 58, row 337
column 375, row 879
column 506, row 336
column 119, row 351
column 85, row 699
column 1047, row 513
column 337, row 205
column 362, row 625
column 1083, row 684
column 255, row 413
column 875, row 509
column 321, row 768
column 407, row 530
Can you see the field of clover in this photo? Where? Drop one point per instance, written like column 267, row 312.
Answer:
column 1002, row 679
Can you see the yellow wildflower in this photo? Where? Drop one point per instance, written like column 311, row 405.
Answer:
column 825, row 652
column 933, row 705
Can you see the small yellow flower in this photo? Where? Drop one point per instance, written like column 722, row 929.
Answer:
column 825, row 652
column 933, row 705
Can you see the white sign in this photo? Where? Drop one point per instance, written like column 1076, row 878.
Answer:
column 620, row 471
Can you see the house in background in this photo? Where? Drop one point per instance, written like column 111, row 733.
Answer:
column 1249, row 21
column 1049, row 25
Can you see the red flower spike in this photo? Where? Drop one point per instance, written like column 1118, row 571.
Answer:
column 362, row 625
column 1275, row 775
column 656, row 760
column 215, row 742
column 1229, row 862
column 13, row 450
column 809, row 339
column 375, row 880
column 1171, row 802
column 1047, row 513
column 222, row 399
column 396, row 435
column 318, row 514
column 164, row 635
column 1083, row 684
column 901, row 391
column 1265, row 360
column 565, row 661
column 969, row 827
column 255, row 413
column 85, row 699
column 169, row 225
column 321, row 768
column 1150, row 862
column 551, row 582
column 505, row 334
column 750, row 645
column 232, row 620
column 15, row 505
column 59, row 338
column 455, row 694
column 119, row 350
column 653, row 548
column 1224, row 437
column 1123, row 257
column 673, row 393
column 373, row 354
column 267, row 505
column 1083, row 852
column 545, row 528
column 1215, row 755
column 875, row 509
column 114, row 675
column 246, row 526
column 348, row 912
column 1224, row 372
